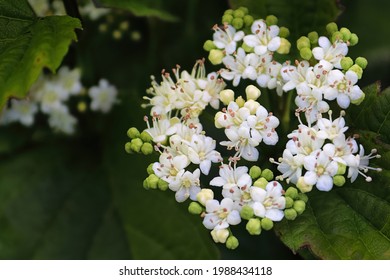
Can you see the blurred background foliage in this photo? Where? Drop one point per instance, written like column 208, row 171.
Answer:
column 81, row 197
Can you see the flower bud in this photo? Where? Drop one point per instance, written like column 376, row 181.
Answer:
column 216, row 119
column 128, row 148
column 252, row 106
column 253, row 226
column 299, row 206
column 133, row 132
column 153, row 181
column 289, row 202
column 239, row 13
column 220, row 235
column 337, row 36
column 339, row 180
column 261, row 183
column 291, row 192
column 209, row 45
column 357, row 69
column 313, row 37
column 227, row 19
column 82, row 106
column 238, row 23
column 284, row 32
column 246, row 212
column 290, row 214
column 354, row 40
column 271, row 20
column 362, row 62
column 136, row 144
column 303, row 42
column 232, row 242
column 145, row 184
column 195, row 208
column 346, row 34
column 228, row 12
column 252, row 92
column 302, row 186
column 358, row 101
column 341, row 168
column 149, row 169
column 226, row 96
column 215, row 57
column 331, row 28
column 248, row 20
column 147, row 149
column 303, row 197
column 267, row 174
column 346, row 63
column 244, row 10
column 267, row 224
column 146, row 137
column 162, row 185
column 204, row 195
column 240, row 101
column 255, row 172
column 305, row 53
column 285, row 46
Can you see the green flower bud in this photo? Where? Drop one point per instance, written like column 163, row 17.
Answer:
column 284, row 32
column 232, row 242
column 145, row 184
column 299, row 206
column 303, row 42
column 195, row 208
column 271, row 20
column 153, row 181
column 226, row 96
column 227, row 19
column 346, row 63
column 313, row 37
column 133, row 132
column 285, row 46
column 246, row 212
column 128, row 148
column 220, row 235
column 358, row 101
column 253, row 226
column 291, row 192
column 228, row 12
column 337, row 36
column 342, row 168
column 353, row 40
column 149, row 169
column 267, row 174
column 162, row 185
column 267, row 224
column 255, row 172
column 290, row 214
column 146, row 137
column 346, row 34
column 248, row 20
column 339, row 180
column 136, row 144
column 331, row 28
column 261, row 183
column 247, row 48
column 240, row 101
column 204, row 195
column 208, row 45
column 302, row 186
column 244, row 10
column 147, row 149
column 362, row 62
column 238, row 23
column 215, row 57
column 357, row 69
column 239, row 13
column 289, row 202
column 306, row 53
column 252, row 92
column 303, row 197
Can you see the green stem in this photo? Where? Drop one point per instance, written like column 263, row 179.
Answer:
column 287, row 112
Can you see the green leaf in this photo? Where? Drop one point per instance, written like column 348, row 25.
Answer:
column 141, row 8
column 28, row 44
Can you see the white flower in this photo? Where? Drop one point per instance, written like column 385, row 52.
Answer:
column 316, row 77
column 92, row 11
column 291, row 166
column 61, row 120
column 269, row 203
column 103, row 96
column 331, row 129
column 263, row 126
column 220, row 215
column 186, row 184
column 227, row 38
column 163, row 126
column 51, row 96
column 233, row 115
column 22, row 111
column 263, row 38
column 69, row 79
column 294, row 75
column 330, row 52
column 211, row 86
column 304, row 141
column 168, row 166
column 359, row 165
column 310, row 101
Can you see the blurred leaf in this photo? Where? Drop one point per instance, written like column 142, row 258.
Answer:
column 28, row 44
column 149, row 8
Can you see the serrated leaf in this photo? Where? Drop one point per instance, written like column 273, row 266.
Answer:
column 149, row 8
column 28, row 44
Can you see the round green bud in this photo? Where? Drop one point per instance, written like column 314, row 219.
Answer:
column 248, row 20
column 232, row 242
column 285, row 46
column 289, row 202
column 261, row 183
column 215, row 57
column 291, row 192
column 136, row 144
column 346, row 34
column 162, row 185
column 303, row 197
column 255, row 172
column 271, row 20
column 353, row 40
column 240, row 101
column 346, row 63
column 147, row 149
column 362, row 62
column 267, row 174
column 228, row 12
column 357, row 69
column 128, row 148
column 239, row 13
column 195, row 208
column 313, row 37
column 146, row 137
column 153, row 181
column 342, row 168
column 331, row 28
column 337, row 36
column 290, row 214
column 204, row 195
column 306, row 53
column 339, row 180
column 247, row 48
column 133, row 132
column 253, row 226
column 358, row 101
column 284, row 32
column 145, row 184
column 299, row 206
column 227, row 19
column 302, row 186
column 238, row 23
column 267, row 224
column 208, row 45
column 245, row 10
column 246, row 212
column 149, row 169
column 303, row 42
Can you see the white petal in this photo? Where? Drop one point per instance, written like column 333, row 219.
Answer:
column 234, row 218
column 310, row 177
column 182, row 194
column 218, row 182
column 258, row 209
column 251, row 40
column 205, row 166
column 274, row 44
column 324, row 183
column 343, row 101
column 275, row 215
column 260, row 49
column 318, row 53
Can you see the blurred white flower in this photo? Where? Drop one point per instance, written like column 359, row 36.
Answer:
column 103, row 96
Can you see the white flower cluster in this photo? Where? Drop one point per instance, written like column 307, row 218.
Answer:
column 50, row 94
